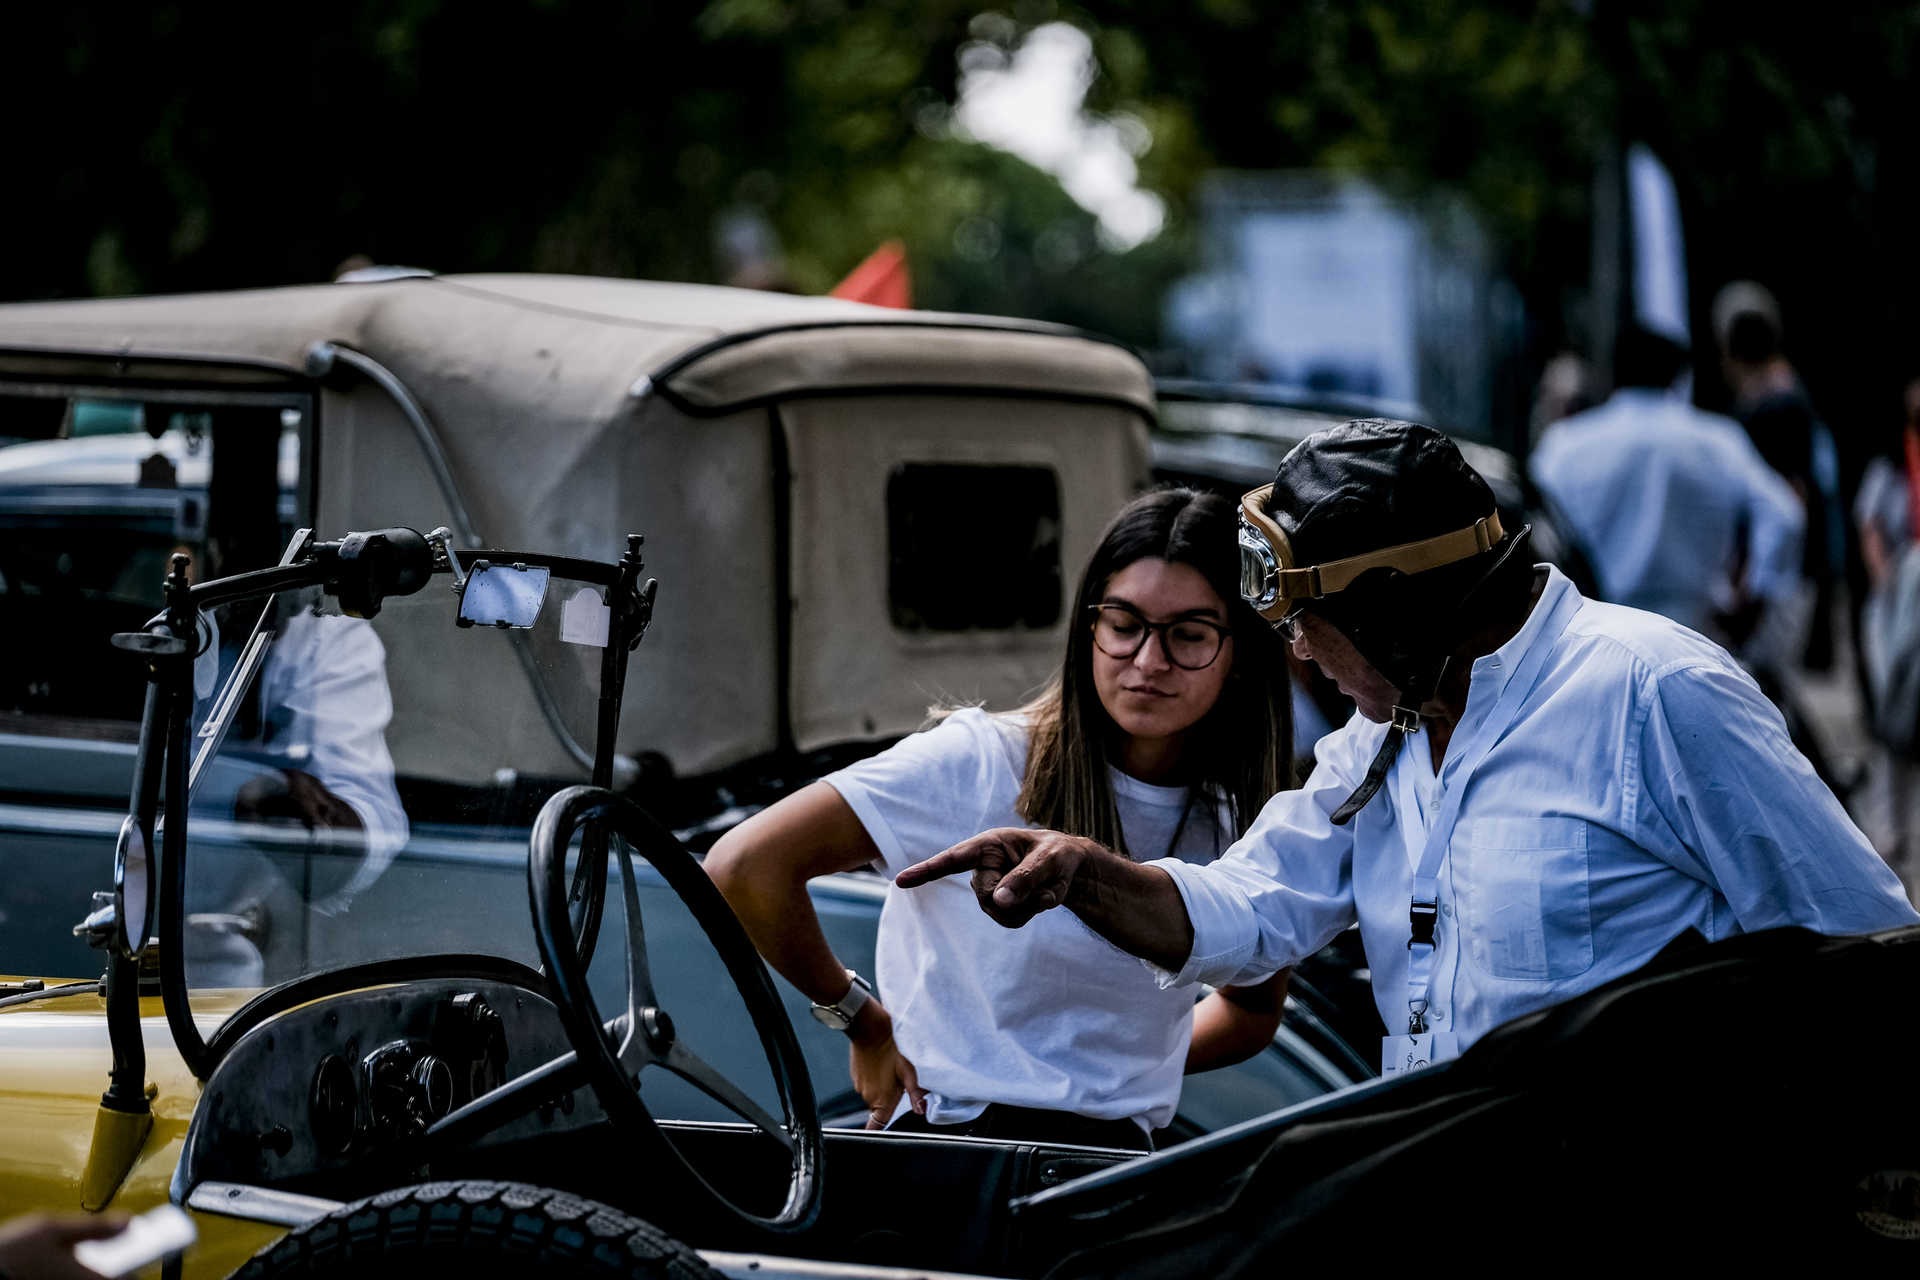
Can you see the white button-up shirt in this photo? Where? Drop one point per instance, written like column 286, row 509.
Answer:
column 1643, row 786
column 1659, row 495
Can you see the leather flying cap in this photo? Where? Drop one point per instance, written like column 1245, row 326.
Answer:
column 1377, row 485
column 1373, row 483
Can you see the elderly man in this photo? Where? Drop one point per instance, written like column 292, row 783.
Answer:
column 1537, row 794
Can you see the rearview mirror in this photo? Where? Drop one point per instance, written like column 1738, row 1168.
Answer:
column 503, row 595
column 132, row 899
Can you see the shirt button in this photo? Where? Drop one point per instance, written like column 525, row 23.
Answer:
column 1439, row 1015
column 1446, row 909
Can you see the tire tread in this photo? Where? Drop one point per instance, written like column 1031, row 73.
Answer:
column 511, row 1224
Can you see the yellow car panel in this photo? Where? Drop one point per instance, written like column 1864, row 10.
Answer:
column 54, row 1059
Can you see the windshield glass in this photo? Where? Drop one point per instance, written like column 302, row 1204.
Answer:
column 372, row 797
column 372, row 790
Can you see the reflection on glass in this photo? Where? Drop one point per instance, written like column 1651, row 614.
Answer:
column 373, row 791
column 303, row 755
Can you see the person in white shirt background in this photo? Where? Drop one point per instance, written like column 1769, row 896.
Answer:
column 1165, row 731
column 1537, row 794
column 311, row 729
column 1674, row 507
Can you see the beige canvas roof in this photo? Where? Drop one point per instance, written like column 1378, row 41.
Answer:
column 719, row 347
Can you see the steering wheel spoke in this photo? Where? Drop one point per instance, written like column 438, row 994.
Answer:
column 630, row 1047
column 524, row 1093
column 639, row 975
column 686, row 1064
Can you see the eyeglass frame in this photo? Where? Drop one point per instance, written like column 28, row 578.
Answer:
column 1148, row 628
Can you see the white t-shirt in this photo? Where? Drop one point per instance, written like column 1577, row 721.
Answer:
column 1051, row 1015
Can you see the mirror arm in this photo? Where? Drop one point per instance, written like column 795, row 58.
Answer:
column 176, row 720
column 173, row 885
column 127, row 1077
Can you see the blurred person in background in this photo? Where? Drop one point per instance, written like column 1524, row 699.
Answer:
column 1674, row 508
column 1886, row 514
column 1771, row 402
column 1568, row 385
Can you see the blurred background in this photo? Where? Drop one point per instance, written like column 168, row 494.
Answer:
column 1448, row 184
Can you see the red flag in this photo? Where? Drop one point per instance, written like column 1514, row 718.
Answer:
column 881, row 279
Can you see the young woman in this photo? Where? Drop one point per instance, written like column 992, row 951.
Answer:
column 1164, row 733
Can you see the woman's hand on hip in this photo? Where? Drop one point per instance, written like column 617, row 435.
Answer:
column 881, row 1073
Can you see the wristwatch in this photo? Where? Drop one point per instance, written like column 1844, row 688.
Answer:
column 839, row 1014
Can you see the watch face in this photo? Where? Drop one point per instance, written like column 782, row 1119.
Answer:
column 831, row 1017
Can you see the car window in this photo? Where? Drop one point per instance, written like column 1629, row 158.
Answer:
column 949, row 569
column 97, row 491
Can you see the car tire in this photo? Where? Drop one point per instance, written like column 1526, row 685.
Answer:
column 477, row 1228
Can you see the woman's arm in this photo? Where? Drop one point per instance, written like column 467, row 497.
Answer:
column 762, row 867
column 1234, row 1023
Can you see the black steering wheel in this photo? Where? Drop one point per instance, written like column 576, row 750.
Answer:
column 613, row 1051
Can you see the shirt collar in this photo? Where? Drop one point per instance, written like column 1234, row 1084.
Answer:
column 1641, row 396
column 1557, row 604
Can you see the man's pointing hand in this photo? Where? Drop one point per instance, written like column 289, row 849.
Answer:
column 1017, row 872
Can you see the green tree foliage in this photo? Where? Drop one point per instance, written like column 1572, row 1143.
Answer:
column 214, row 144
column 1789, row 132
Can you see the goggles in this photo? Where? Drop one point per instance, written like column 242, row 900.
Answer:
column 1270, row 582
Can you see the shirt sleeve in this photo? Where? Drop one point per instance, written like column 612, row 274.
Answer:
column 328, row 681
column 1724, row 796
column 1286, row 887
column 930, row 790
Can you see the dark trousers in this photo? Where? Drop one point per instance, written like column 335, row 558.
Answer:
column 1030, row 1124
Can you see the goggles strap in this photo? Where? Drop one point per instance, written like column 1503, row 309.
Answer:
column 1405, row 723
column 1397, row 733
column 1376, row 776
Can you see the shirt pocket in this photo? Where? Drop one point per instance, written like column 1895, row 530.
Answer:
column 1525, row 912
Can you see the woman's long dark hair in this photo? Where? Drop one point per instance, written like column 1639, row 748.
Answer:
column 1241, row 751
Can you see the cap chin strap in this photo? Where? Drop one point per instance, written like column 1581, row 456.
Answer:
column 1405, row 723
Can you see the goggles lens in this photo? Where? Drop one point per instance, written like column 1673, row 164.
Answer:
column 1259, row 569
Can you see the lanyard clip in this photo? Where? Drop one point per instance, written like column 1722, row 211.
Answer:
column 1422, row 916
column 1416, row 1017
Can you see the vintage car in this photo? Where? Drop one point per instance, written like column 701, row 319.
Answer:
column 346, row 1061
column 827, row 470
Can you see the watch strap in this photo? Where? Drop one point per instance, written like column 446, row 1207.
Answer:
column 840, row 1014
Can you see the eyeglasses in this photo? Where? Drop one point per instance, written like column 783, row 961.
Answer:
column 1191, row 644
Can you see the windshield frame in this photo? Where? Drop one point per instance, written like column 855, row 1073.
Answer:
column 167, row 741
